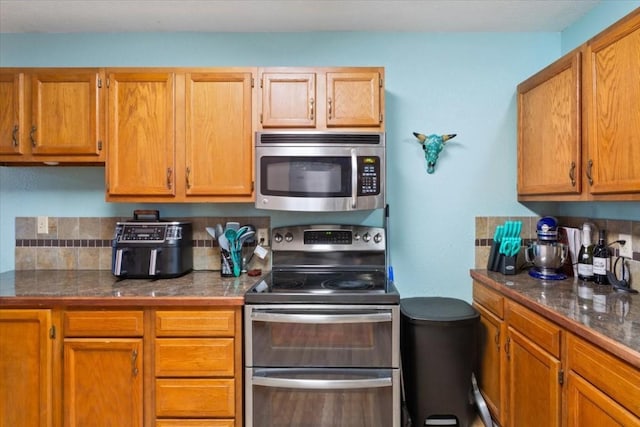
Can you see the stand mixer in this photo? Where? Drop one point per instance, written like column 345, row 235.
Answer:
column 547, row 254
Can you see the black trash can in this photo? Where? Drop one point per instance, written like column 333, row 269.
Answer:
column 439, row 346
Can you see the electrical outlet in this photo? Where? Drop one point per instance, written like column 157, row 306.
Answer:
column 625, row 250
column 43, row 225
column 262, row 236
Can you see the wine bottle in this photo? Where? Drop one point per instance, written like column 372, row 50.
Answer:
column 601, row 260
column 585, row 256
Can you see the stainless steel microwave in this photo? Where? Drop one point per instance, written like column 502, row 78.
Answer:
column 320, row 171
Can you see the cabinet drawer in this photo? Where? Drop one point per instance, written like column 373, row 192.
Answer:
column 210, row 323
column 194, row 357
column 491, row 300
column 103, row 323
column 539, row 330
column 611, row 375
column 195, row 423
column 195, row 398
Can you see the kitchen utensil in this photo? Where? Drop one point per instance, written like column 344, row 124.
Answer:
column 232, row 225
column 212, row 232
column 219, row 231
column 232, row 236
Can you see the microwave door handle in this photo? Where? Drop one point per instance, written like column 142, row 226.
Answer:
column 354, row 178
column 321, row 384
column 321, row 318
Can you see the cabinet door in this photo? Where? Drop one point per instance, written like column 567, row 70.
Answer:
column 613, row 111
column 65, row 113
column 25, row 368
column 218, row 149
column 103, row 382
column 353, row 99
column 491, row 378
column 589, row 407
column 11, row 112
column 288, row 100
column 533, row 384
column 141, row 156
column 549, row 132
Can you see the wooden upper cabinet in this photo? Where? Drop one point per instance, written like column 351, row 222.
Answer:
column 141, row 159
column 549, row 133
column 11, row 112
column 51, row 115
column 579, row 121
column 353, row 98
column 218, row 141
column 65, row 113
column 612, row 109
column 346, row 98
column 289, row 99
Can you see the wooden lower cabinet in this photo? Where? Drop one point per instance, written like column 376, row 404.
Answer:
column 26, row 364
column 134, row 367
column 198, row 367
column 103, row 382
column 535, row 373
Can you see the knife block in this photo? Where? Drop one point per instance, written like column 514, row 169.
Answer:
column 507, row 264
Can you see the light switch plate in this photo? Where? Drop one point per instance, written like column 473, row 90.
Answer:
column 625, row 250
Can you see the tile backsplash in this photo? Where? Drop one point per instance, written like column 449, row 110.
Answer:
column 485, row 227
column 80, row 243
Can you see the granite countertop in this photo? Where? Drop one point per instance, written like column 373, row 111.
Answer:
column 41, row 288
column 605, row 317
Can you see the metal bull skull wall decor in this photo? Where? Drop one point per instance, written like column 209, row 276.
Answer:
column 432, row 146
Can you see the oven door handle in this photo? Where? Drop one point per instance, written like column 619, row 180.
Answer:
column 321, row 384
column 321, row 318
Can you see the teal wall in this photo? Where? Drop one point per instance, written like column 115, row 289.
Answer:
column 460, row 83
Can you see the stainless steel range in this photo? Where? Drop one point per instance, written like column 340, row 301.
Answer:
column 322, row 332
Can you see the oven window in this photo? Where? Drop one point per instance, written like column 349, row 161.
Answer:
column 297, row 176
column 315, row 338
column 322, row 398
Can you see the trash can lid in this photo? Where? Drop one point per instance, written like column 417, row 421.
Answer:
column 439, row 309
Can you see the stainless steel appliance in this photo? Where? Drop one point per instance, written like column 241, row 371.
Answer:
column 144, row 248
column 322, row 332
column 320, row 171
column 547, row 254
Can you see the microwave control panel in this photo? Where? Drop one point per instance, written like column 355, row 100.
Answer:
column 368, row 175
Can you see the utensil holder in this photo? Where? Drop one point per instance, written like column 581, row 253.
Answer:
column 227, row 263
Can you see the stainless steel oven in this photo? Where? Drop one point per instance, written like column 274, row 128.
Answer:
column 322, row 332
column 320, row 171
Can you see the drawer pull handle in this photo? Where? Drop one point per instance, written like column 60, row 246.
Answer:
column 589, row 170
column 572, row 174
column 134, row 364
column 14, row 136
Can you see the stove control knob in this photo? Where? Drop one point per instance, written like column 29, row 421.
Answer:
column 277, row 237
column 366, row 237
column 356, row 236
column 288, row 237
column 377, row 238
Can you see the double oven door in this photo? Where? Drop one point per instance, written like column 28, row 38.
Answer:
column 317, row 365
